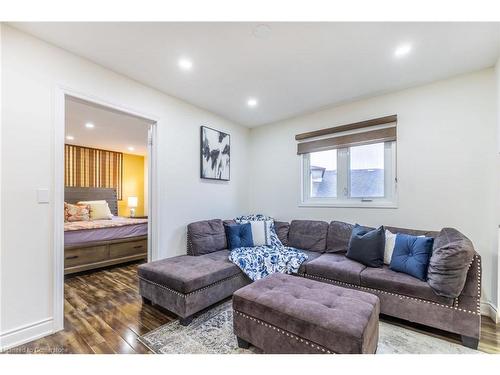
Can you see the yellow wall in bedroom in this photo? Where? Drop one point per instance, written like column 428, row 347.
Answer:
column 133, row 184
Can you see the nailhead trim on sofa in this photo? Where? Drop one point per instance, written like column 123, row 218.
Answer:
column 453, row 307
column 286, row 333
column 189, row 245
column 184, row 295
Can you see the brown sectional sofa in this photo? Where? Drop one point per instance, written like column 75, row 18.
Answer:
column 190, row 283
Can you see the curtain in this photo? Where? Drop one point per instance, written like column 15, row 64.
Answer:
column 90, row 167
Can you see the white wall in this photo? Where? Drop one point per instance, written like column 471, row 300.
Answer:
column 497, row 75
column 31, row 71
column 447, row 163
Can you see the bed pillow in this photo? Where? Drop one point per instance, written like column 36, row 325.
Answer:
column 411, row 255
column 366, row 246
column 239, row 235
column 99, row 210
column 76, row 212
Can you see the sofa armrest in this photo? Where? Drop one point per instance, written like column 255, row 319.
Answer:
column 470, row 297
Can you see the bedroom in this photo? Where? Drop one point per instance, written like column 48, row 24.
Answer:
column 105, row 187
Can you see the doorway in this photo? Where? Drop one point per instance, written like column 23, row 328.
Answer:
column 105, row 167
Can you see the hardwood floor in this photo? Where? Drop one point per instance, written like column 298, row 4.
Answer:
column 104, row 314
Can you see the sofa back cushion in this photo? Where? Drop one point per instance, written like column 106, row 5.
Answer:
column 451, row 256
column 339, row 234
column 282, row 228
column 308, row 235
column 207, row 236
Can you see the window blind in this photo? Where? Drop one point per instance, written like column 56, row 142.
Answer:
column 90, row 167
column 377, row 130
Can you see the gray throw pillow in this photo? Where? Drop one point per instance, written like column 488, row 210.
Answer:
column 367, row 246
column 451, row 256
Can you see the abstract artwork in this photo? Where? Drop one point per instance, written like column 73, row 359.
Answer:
column 215, row 154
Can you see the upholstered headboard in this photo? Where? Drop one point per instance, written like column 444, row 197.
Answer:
column 76, row 194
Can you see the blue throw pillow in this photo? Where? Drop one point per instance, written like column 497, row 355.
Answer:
column 411, row 255
column 239, row 235
column 366, row 246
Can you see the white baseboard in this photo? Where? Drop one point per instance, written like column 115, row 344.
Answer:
column 488, row 309
column 27, row 333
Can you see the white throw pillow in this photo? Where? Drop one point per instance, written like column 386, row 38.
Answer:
column 261, row 232
column 99, row 210
column 390, row 242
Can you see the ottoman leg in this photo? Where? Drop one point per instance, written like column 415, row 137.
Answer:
column 470, row 342
column 146, row 301
column 243, row 344
column 186, row 321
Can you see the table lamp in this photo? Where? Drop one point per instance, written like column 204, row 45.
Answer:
column 132, row 204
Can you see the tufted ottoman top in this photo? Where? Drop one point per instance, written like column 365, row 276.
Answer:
column 187, row 273
column 342, row 320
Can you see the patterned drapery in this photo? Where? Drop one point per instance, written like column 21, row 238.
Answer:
column 90, row 167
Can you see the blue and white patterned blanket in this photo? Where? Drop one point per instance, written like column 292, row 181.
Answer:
column 260, row 261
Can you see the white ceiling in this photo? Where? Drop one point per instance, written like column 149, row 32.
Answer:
column 114, row 131
column 291, row 68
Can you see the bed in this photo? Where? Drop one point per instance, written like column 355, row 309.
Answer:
column 98, row 243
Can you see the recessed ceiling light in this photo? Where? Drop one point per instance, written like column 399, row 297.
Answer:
column 185, row 64
column 130, row 148
column 89, row 125
column 252, row 102
column 402, row 50
column 70, row 137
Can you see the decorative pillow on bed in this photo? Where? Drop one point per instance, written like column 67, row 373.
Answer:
column 99, row 210
column 76, row 212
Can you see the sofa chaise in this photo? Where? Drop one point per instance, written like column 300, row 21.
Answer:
column 189, row 283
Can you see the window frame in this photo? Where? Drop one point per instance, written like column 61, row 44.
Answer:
column 390, row 200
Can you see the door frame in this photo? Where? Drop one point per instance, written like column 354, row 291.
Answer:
column 61, row 92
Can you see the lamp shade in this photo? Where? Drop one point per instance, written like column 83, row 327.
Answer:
column 132, row 201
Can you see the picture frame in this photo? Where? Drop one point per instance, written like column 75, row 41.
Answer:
column 215, row 154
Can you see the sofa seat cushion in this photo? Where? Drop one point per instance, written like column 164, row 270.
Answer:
column 400, row 283
column 340, row 319
column 187, row 273
column 311, row 255
column 308, row 235
column 335, row 267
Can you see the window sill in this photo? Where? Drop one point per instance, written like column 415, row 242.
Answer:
column 348, row 204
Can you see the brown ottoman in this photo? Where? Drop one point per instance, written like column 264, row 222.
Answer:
column 290, row 314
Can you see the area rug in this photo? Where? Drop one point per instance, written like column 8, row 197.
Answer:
column 212, row 333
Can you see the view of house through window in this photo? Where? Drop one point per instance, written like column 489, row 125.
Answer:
column 366, row 170
column 358, row 173
column 324, row 174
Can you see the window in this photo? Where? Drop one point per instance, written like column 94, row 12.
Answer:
column 363, row 176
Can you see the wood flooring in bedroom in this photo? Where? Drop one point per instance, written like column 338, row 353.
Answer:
column 103, row 313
